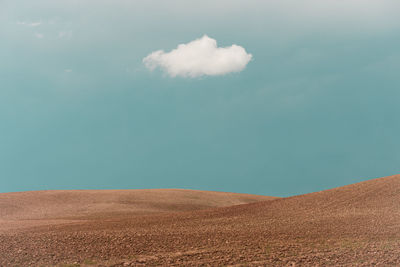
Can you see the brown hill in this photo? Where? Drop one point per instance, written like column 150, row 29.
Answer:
column 39, row 207
column 357, row 224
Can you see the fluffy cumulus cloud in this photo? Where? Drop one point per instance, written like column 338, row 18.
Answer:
column 198, row 58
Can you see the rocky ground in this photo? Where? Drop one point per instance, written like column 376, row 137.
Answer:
column 353, row 225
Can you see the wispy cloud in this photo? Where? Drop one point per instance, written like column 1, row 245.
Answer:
column 39, row 35
column 198, row 58
column 34, row 24
column 65, row 35
column 29, row 24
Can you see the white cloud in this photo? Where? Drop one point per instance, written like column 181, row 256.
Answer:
column 34, row 24
column 65, row 35
column 199, row 57
column 29, row 24
column 68, row 70
column 39, row 35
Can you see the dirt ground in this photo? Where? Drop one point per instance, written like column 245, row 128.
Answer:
column 355, row 225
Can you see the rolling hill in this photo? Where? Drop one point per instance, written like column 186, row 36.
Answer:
column 19, row 209
column 358, row 224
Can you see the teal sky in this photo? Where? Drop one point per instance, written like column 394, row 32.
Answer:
column 316, row 107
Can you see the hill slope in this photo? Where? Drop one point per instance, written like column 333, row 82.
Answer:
column 357, row 224
column 39, row 206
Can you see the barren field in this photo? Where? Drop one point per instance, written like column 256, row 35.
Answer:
column 357, row 224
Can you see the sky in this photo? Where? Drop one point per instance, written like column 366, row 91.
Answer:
column 265, row 97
